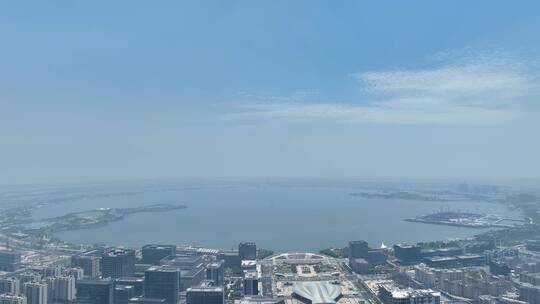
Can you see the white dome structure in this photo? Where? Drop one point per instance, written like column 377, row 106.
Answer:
column 317, row 292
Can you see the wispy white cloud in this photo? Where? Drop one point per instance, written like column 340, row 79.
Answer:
column 474, row 90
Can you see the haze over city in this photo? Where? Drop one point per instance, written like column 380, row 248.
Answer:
column 269, row 152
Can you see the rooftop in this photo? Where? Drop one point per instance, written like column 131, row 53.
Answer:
column 318, row 292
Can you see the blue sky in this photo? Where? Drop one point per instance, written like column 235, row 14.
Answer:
column 106, row 90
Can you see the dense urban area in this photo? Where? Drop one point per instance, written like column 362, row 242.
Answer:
column 501, row 265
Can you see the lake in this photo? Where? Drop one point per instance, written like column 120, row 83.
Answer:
column 277, row 216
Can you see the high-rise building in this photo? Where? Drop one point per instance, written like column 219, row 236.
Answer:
column 9, row 260
column 118, row 262
column 358, row 249
column 162, row 282
column 29, row 277
column 529, row 293
column 152, row 254
column 95, row 291
column 407, row 253
column 52, row 271
column 89, row 264
column 251, row 283
column 36, row 293
column 76, row 272
column 10, row 285
column 247, row 251
column 205, row 295
column 122, row 294
column 64, row 288
column 9, row 298
column 215, row 272
column 136, row 282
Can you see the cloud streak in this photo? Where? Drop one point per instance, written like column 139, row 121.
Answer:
column 475, row 91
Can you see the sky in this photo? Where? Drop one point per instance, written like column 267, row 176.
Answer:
column 121, row 90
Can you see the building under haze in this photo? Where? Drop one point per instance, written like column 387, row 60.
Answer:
column 9, row 260
column 118, row 262
column 89, row 264
column 251, row 283
column 152, row 253
column 122, row 294
column 9, row 298
column 407, row 253
column 64, row 288
column 162, row 282
column 136, row 282
column 36, row 293
column 215, row 272
column 205, row 295
column 95, row 291
column 247, row 251
column 10, row 285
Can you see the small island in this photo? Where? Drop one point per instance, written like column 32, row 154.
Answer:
column 471, row 220
column 92, row 218
column 402, row 195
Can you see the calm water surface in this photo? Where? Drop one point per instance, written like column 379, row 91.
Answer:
column 276, row 217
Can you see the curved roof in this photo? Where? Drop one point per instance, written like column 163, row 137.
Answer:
column 318, row 292
column 297, row 256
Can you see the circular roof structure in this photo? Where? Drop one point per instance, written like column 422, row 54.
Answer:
column 317, row 292
column 298, row 258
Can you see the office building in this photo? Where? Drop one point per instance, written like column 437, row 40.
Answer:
column 118, row 262
column 122, row 294
column 9, row 298
column 407, row 253
column 10, row 285
column 136, row 282
column 466, row 260
column 89, row 264
column 247, row 251
column 205, row 295
column 152, row 254
column 36, row 293
column 230, row 258
column 215, row 272
column 162, row 282
column 251, row 283
column 95, row 291
column 360, row 265
column 358, row 249
column 192, row 269
column 9, row 260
